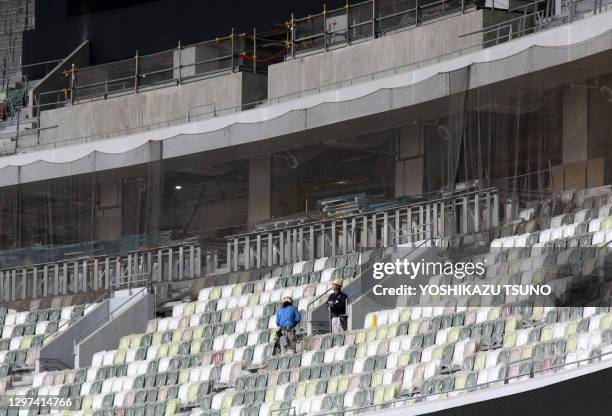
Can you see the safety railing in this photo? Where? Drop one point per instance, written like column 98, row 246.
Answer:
column 365, row 20
column 52, row 364
column 164, row 264
column 232, row 53
column 464, row 212
column 420, row 231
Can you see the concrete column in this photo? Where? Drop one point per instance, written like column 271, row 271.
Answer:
column 600, row 122
column 587, row 129
column 284, row 188
column 575, row 124
column 108, row 209
column 409, row 161
column 260, row 188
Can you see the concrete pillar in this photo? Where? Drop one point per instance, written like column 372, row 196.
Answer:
column 587, row 131
column 284, row 187
column 108, row 209
column 600, row 122
column 260, row 188
column 409, row 161
column 575, row 124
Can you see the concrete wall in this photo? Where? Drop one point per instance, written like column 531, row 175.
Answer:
column 387, row 52
column 129, row 318
column 132, row 111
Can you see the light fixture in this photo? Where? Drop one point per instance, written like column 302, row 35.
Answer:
column 178, row 187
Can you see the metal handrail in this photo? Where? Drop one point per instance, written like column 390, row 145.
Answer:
column 414, row 204
column 70, row 322
column 399, row 236
column 106, row 317
column 86, row 257
column 44, row 364
column 421, row 244
column 118, row 281
column 361, row 273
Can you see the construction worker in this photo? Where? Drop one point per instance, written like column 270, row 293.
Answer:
column 337, row 307
column 287, row 318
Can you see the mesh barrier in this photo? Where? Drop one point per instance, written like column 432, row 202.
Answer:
column 361, row 21
column 128, row 75
column 337, row 27
column 309, row 33
column 156, row 69
column 101, row 80
column 366, row 20
column 211, row 57
column 392, row 14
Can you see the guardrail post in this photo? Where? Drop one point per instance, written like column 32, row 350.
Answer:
column 292, row 36
column 236, row 257
column 24, row 283
column 84, row 286
column 229, row 254
column 45, row 289
column 385, row 230
column 322, row 241
column 254, row 50
column 421, row 234
column 258, row 262
column 476, row 212
column 348, row 22
column 269, row 251
column 495, row 219
column 180, row 65
column 136, row 72
column 464, row 215
column 325, row 27
column 247, row 253
column 344, row 243
column 353, row 236
column 434, row 220
column 34, row 281
column 232, row 49
column 72, row 83
column 311, row 241
column 373, row 18
column 300, row 244
column 198, row 261
column 64, row 278
column 181, row 263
